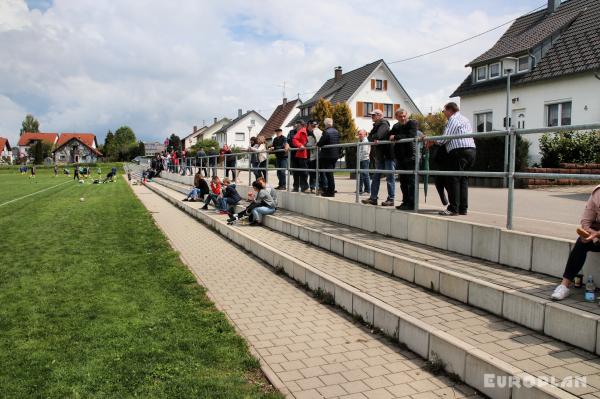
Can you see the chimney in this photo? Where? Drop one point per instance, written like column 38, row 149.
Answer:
column 337, row 74
column 553, row 5
column 239, row 112
column 284, row 100
column 215, row 120
column 195, row 129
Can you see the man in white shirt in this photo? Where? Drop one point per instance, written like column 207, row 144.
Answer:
column 461, row 154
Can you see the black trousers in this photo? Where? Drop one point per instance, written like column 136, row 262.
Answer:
column 407, row 183
column 460, row 159
column 300, row 177
column 328, row 177
column 577, row 258
column 232, row 170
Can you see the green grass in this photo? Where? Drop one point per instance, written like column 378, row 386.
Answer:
column 95, row 303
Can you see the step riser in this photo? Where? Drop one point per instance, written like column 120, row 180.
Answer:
column 563, row 323
column 466, row 361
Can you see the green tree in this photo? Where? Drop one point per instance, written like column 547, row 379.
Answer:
column 30, row 125
column 322, row 109
column 107, row 148
column 123, row 144
column 40, row 151
column 206, row 145
column 344, row 123
column 431, row 124
column 174, row 142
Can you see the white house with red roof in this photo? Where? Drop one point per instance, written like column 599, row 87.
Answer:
column 6, row 154
column 76, row 148
column 28, row 139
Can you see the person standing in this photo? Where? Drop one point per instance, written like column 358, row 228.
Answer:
column 281, row 147
column 262, row 157
column 405, row 156
column 201, row 161
column 313, row 154
column 364, row 152
column 229, row 160
column 461, row 157
column 329, row 156
column 55, row 170
column 212, row 161
column 300, row 158
column 384, row 159
column 588, row 241
column 76, row 172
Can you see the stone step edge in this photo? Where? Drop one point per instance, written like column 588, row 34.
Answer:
column 466, row 361
column 573, row 326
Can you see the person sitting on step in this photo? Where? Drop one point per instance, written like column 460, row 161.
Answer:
column 199, row 190
column 214, row 194
column 263, row 204
column 230, row 197
column 588, row 241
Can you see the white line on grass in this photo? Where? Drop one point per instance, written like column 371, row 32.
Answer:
column 37, row 192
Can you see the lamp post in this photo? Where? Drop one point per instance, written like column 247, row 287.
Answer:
column 509, row 64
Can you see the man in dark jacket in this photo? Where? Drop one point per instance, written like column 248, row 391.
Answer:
column 212, row 161
column 405, row 156
column 329, row 156
column 384, row 159
column 280, row 146
column 201, row 161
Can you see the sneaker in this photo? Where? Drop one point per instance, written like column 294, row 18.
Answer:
column 232, row 219
column 185, row 200
column 204, row 208
column 387, row 203
column 462, row 213
column 446, row 212
column 305, row 191
column 369, row 201
column 223, row 212
column 560, row 293
column 295, row 190
column 405, row 207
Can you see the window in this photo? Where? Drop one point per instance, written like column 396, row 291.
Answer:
column 252, row 122
column 495, row 70
column 558, row 114
column 481, row 73
column 388, row 110
column 368, row 107
column 483, row 122
column 240, row 136
column 523, row 64
column 378, row 84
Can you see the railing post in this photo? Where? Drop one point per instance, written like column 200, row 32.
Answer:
column 512, row 138
column 357, row 195
column 267, row 169
column 317, row 175
column 224, row 164
column 289, row 176
column 249, row 169
column 416, row 173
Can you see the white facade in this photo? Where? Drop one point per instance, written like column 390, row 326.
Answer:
column 6, row 153
column 209, row 132
column 238, row 134
column 193, row 138
column 152, row 148
column 529, row 105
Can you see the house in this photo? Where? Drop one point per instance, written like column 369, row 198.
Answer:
column 6, row 153
column 152, row 148
column 191, row 139
column 237, row 133
column 554, row 55
column 76, row 148
column 209, row 132
column 372, row 86
column 28, row 139
column 281, row 117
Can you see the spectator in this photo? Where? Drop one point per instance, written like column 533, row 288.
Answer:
column 461, row 157
column 230, row 197
column 55, row 170
column 300, row 158
column 312, row 160
column 290, row 137
column 76, row 172
column 175, row 160
column 270, row 188
column 262, row 157
column 281, row 146
column 253, row 156
column 262, row 199
column 199, row 190
column 384, row 159
column 212, row 160
column 588, row 241
column 405, row 156
column 364, row 151
column 439, row 154
column 329, row 156
column 214, row 194
column 201, row 161
column 230, row 161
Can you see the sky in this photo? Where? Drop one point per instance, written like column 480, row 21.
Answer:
column 162, row 67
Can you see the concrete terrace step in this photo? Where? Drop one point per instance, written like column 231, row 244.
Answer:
column 516, row 295
column 470, row 341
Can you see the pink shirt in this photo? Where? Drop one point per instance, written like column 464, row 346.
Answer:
column 590, row 220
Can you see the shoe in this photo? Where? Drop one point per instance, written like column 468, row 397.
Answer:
column 254, row 224
column 185, row 200
column 295, row 190
column 328, row 195
column 405, row 207
column 462, row 213
column 369, row 201
column 447, row 213
column 204, row 208
column 280, row 188
column 387, row 203
column 305, row 191
column 232, row 219
column 222, row 212
column 560, row 293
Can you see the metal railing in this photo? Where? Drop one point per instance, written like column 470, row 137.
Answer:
column 510, row 175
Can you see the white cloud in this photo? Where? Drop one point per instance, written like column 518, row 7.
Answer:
column 162, row 67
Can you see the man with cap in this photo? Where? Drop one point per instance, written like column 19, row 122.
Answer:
column 300, row 158
column 281, row 146
column 329, row 156
column 384, row 159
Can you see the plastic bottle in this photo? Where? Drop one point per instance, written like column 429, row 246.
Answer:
column 590, row 290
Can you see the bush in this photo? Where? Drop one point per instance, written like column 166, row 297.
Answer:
column 490, row 154
column 569, row 147
column 205, row 145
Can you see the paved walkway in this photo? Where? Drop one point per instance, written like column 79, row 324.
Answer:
column 313, row 350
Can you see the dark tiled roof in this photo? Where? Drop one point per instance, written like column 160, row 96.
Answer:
column 226, row 126
column 277, row 118
column 577, row 50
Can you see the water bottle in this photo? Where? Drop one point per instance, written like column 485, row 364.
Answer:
column 590, row 290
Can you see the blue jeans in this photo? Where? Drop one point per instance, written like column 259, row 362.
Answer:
column 281, row 163
column 194, row 193
column 258, row 212
column 364, row 185
column 387, row 164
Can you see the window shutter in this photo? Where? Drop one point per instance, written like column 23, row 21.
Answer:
column 385, row 85
column 396, row 107
column 372, row 84
column 359, row 109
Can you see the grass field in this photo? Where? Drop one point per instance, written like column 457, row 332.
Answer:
column 95, row 303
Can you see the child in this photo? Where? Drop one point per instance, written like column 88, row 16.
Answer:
column 199, row 190
column 76, row 173
column 32, row 172
column 215, row 193
column 230, row 197
column 263, row 204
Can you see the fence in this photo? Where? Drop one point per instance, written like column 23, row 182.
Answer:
column 509, row 174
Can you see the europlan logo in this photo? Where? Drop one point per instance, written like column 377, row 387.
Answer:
column 503, row 381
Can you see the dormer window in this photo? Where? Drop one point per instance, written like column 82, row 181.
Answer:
column 378, row 84
column 495, row 70
column 481, row 73
column 523, row 64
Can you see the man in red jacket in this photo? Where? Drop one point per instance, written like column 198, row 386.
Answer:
column 300, row 158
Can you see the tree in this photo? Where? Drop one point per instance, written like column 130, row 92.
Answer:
column 431, row 124
column 205, row 145
column 30, row 125
column 174, row 142
column 322, row 109
column 141, row 150
column 119, row 146
column 344, row 123
column 40, row 151
column 107, row 148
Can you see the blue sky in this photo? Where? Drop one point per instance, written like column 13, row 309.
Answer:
column 163, row 67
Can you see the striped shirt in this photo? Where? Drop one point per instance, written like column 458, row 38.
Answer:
column 458, row 124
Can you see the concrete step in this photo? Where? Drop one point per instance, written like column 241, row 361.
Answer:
column 471, row 343
column 514, row 294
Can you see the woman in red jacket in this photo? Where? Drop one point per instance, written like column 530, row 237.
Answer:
column 300, row 158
